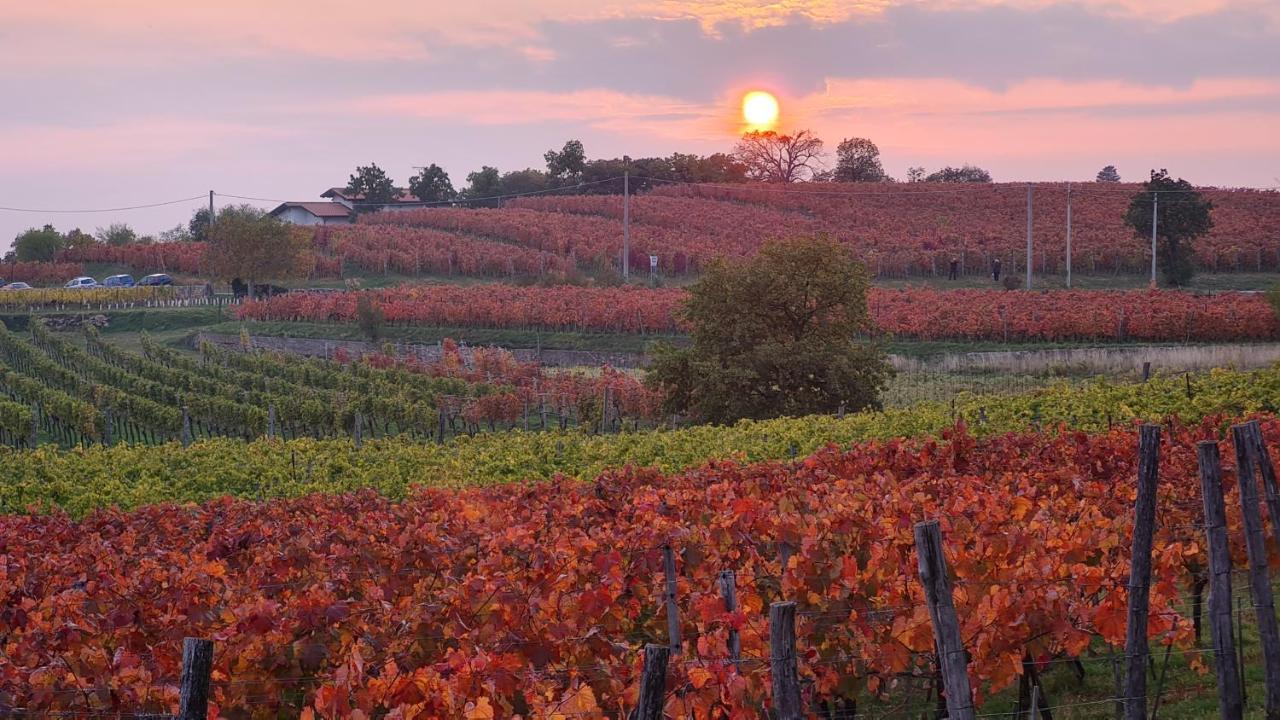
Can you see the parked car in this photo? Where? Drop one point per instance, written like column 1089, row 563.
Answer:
column 16, row 286
column 118, row 281
column 81, row 282
column 156, row 279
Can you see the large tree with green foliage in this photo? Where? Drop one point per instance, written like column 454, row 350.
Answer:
column 258, row 249
column 372, row 183
column 775, row 336
column 116, row 234
column 1182, row 214
column 432, row 184
column 38, row 245
column 858, row 160
column 565, row 167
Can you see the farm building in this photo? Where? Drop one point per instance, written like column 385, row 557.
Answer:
column 313, row 213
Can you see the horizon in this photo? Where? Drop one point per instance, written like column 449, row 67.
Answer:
column 152, row 103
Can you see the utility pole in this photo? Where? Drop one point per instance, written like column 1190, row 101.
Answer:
column 1068, row 235
column 210, row 208
column 1030, row 257
column 1155, row 214
column 626, row 224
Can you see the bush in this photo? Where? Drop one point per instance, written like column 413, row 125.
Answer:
column 369, row 316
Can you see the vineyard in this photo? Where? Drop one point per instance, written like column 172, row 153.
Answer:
column 908, row 313
column 535, row 600
column 904, row 230
column 130, row 475
column 100, row 393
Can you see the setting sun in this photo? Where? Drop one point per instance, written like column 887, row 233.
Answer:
column 760, row 109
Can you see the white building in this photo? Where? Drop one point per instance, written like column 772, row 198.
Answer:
column 313, row 213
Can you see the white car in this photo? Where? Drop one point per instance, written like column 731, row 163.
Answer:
column 81, row 282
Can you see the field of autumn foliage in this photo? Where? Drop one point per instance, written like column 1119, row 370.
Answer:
column 528, row 600
column 922, row 313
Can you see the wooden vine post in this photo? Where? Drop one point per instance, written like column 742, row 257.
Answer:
column 1136, row 649
column 1230, row 701
column 34, row 433
column 271, row 421
column 653, row 683
column 357, row 430
column 1268, row 471
column 952, row 660
column 673, row 610
column 1259, row 578
column 782, row 662
column 728, row 582
column 197, row 668
column 186, row 427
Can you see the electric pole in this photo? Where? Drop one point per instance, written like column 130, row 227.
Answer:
column 1030, row 256
column 210, row 208
column 1155, row 213
column 1068, row 236
column 626, row 224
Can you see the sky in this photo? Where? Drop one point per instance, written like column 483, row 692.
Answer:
column 135, row 102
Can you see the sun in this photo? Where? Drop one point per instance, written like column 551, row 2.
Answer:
column 760, row 109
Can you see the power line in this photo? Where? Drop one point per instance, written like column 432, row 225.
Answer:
column 103, row 210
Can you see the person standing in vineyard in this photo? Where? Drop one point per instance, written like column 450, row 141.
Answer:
column 995, row 270
column 954, row 273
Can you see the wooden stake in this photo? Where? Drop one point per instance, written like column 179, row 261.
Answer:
column 1136, row 650
column 952, row 660
column 1259, row 579
column 1262, row 457
column 673, row 611
column 782, row 661
column 1230, row 704
column 729, row 591
column 197, row 667
column 653, row 683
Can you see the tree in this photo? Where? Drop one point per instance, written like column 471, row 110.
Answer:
column 915, row 174
column 77, row 238
column 566, row 166
column 116, row 234
column 771, row 157
column 38, row 245
column 524, row 181
column 198, row 226
column 483, row 183
column 369, row 316
column 774, row 336
column 177, row 233
column 257, row 250
column 372, row 185
column 432, row 184
column 858, row 160
column 965, row 174
column 1109, row 174
column 1183, row 215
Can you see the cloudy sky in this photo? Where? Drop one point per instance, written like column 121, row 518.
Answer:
column 142, row 101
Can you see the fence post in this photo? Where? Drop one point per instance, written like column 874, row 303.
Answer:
column 197, row 666
column 1146, row 371
column 1259, row 579
column 728, row 582
column 673, row 612
column 186, row 426
column 653, row 682
column 1230, row 704
column 1263, row 457
column 271, row 421
column 782, row 661
column 952, row 659
column 357, row 430
column 1136, row 649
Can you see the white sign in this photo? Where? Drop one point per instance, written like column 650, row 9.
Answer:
column 653, row 263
